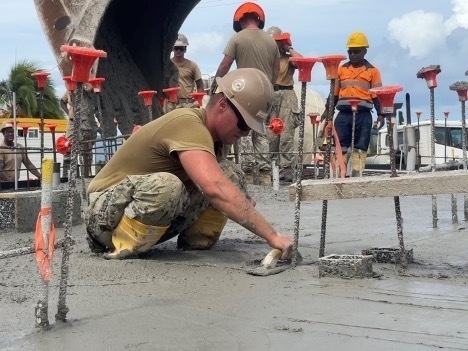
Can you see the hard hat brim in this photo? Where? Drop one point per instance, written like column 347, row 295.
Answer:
column 284, row 36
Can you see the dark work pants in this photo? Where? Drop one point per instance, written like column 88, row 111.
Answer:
column 363, row 125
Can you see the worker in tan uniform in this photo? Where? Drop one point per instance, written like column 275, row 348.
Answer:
column 169, row 180
column 190, row 78
column 252, row 47
column 285, row 106
column 8, row 154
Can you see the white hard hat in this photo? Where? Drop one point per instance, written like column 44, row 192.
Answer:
column 6, row 124
column 181, row 40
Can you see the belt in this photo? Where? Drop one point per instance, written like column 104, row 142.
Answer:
column 284, row 87
column 185, row 100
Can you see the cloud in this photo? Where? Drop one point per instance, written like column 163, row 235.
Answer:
column 459, row 19
column 418, row 31
column 206, row 43
column 421, row 32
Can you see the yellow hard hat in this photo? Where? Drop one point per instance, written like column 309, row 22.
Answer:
column 357, row 40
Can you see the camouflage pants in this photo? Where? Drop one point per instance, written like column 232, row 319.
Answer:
column 158, row 199
column 285, row 107
column 254, row 150
column 169, row 106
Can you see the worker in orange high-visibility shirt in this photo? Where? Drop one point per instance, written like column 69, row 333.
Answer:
column 355, row 78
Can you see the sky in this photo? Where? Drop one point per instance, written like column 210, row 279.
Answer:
column 404, row 36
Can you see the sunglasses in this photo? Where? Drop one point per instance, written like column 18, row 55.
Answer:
column 354, row 51
column 179, row 48
column 241, row 124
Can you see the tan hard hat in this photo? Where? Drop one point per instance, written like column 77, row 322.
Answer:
column 278, row 34
column 181, row 40
column 5, row 125
column 250, row 90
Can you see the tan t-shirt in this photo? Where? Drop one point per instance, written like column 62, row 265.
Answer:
column 66, row 98
column 286, row 72
column 154, row 148
column 253, row 48
column 7, row 162
column 189, row 73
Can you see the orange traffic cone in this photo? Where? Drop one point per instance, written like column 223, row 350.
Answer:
column 44, row 255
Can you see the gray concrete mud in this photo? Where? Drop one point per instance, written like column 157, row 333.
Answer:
column 204, row 300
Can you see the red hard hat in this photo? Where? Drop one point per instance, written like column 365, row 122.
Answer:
column 245, row 8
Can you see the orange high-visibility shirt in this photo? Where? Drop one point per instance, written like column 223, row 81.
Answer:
column 355, row 83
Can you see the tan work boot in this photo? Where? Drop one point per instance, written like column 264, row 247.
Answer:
column 131, row 237
column 265, row 177
column 287, row 175
column 248, row 177
column 204, row 233
column 359, row 163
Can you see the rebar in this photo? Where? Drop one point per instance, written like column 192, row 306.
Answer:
column 150, row 112
column 433, row 162
column 454, row 209
column 465, row 197
column 99, row 117
column 84, row 167
column 314, row 151
column 62, row 308
column 326, row 165
column 353, row 130
column 26, row 151
column 25, row 250
column 41, row 115
column 396, row 199
column 297, row 208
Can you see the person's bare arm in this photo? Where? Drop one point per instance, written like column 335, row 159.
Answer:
column 200, row 87
column 205, row 172
column 292, row 53
column 64, row 106
column 2, row 169
column 224, row 66
column 31, row 168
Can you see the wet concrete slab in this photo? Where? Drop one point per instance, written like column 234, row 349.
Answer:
column 204, row 300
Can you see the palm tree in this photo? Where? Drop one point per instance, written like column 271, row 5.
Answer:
column 24, row 85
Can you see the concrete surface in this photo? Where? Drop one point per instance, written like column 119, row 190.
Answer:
column 174, row 300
